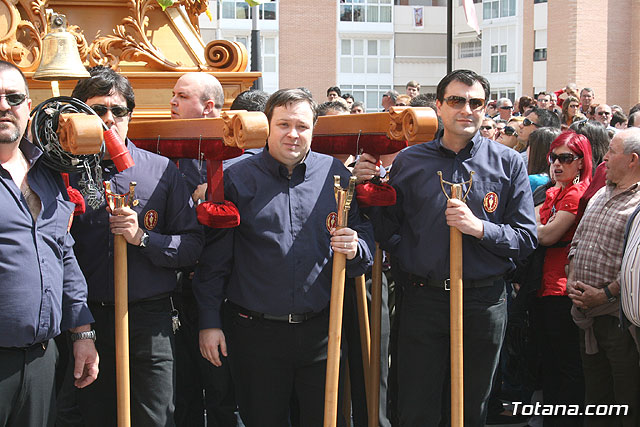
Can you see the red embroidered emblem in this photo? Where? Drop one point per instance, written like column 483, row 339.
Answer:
column 490, row 202
column 150, row 219
column 332, row 221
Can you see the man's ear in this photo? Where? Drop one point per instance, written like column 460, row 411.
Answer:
column 209, row 107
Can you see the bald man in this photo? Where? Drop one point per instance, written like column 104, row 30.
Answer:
column 197, row 95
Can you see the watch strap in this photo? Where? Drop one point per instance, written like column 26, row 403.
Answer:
column 609, row 295
column 86, row 335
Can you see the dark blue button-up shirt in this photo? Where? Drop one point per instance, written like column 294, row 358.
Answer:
column 42, row 290
column 416, row 231
column 279, row 259
column 165, row 212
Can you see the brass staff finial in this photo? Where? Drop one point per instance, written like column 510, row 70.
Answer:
column 452, row 184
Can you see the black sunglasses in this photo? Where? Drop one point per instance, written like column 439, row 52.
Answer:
column 506, row 107
column 527, row 122
column 486, row 127
column 510, row 131
column 458, row 102
column 603, row 113
column 564, row 158
column 14, row 99
column 116, row 110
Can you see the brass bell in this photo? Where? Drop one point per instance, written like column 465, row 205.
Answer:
column 60, row 59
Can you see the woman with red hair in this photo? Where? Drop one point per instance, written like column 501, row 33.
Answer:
column 562, row 379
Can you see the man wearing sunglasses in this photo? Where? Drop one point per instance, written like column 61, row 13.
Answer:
column 498, row 226
column 535, row 119
column 162, row 234
column 603, row 115
column 43, row 290
column 505, row 108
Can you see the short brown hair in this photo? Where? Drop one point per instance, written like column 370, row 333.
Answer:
column 290, row 96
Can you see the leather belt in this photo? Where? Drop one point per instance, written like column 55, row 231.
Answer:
column 41, row 345
column 293, row 318
column 155, row 298
column 445, row 283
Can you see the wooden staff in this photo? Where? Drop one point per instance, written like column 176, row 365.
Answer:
column 376, row 321
column 455, row 308
column 121, row 283
column 455, row 319
column 365, row 334
column 343, row 199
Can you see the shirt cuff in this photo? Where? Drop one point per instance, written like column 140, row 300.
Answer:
column 76, row 315
column 210, row 319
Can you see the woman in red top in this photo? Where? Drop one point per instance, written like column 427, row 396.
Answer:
column 562, row 380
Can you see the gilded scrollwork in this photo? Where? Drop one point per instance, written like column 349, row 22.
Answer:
column 129, row 41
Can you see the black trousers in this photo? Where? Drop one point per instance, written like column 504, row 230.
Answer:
column 194, row 374
column 27, row 397
column 151, row 346
column 423, row 351
column 351, row 337
column 561, row 373
column 272, row 361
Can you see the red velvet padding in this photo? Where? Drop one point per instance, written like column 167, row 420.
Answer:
column 370, row 194
column 218, row 215
column 76, row 198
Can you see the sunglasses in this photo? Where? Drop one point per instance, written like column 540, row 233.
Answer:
column 458, row 102
column 527, row 122
column 509, row 131
column 14, row 99
column 116, row 110
column 604, row 113
column 486, row 127
column 574, row 105
column 507, row 107
column 564, row 158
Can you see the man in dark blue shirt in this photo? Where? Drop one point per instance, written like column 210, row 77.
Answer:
column 162, row 235
column 275, row 269
column 43, row 291
column 498, row 227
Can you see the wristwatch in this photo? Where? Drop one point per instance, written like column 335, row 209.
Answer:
column 610, row 297
column 87, row 335
column 144, row 240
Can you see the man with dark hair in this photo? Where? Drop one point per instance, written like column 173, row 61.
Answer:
column 357, row 108
column 587, row 96
column 619, row 120
column 250, row 100
column 498, row 226
column 162, row 234
column 43, row 291
column 333, row 92
column 634, row 119
column 332, row 108
column 543, row 100
column 274, row 269
column 349, row 98
column 413, row 88
column 423, row 100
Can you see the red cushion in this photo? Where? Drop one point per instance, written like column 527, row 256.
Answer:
column 218, row 215
column 370, row 194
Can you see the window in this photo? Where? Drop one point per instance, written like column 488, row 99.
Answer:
column 268, row 47
column 369, row 95
column 540, row 54
column 365, row 56
column 539, row 1
column 499, row 58
column 469, row 49
column 504, row 93
column 498, row 8
column 365, row 10
column 460, row 2
column 236, row 9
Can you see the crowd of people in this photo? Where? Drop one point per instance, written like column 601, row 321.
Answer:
column 229, row 326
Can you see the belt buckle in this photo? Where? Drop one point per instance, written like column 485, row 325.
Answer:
column 292, row 320
column 447, row 284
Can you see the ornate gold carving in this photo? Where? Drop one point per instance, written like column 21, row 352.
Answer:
column 224, row 55
column 129, row 41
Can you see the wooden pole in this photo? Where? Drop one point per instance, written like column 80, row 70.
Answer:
column 376, row 320
column 122, row 330
column 365, row 333
column 456, row 320
column 335, row 337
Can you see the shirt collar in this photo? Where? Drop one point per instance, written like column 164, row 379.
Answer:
column 30, row 151
column 277, row 168
column 469, row 150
